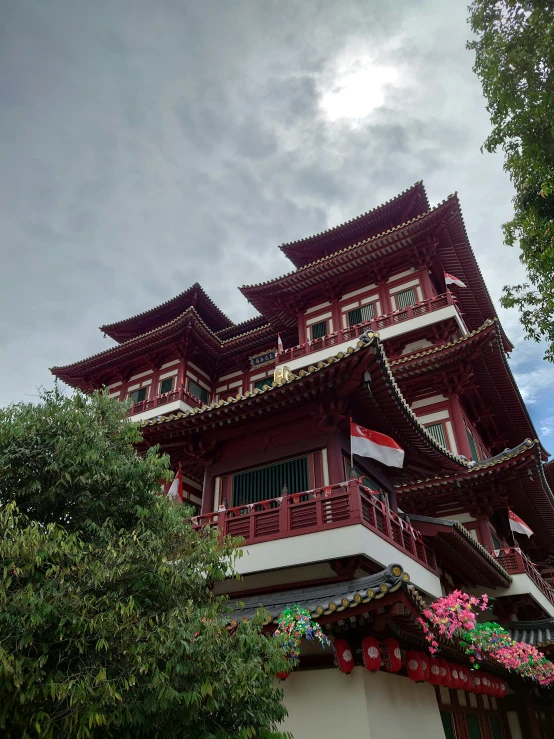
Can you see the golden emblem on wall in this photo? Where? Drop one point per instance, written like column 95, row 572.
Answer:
column 282, row 374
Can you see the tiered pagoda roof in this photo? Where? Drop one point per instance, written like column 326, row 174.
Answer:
column 518, row 472
column 167, row 312
column 493, row 392
column 404, row 207
column 383, row 405
column 440, row 229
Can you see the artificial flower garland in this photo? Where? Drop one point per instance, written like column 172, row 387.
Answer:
column 296, row 624
column 453, row 616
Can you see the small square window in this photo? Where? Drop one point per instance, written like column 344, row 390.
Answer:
column 138, row 395
column 319, row 330
column 198, row 391
column 362, row 314
column 166, row 386
column 405, row 298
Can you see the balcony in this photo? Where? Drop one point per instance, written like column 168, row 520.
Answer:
column 179, row 399
column 316, row 511
column 516, row 562
column 391, row 324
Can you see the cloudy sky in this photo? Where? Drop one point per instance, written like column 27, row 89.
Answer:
column 145, row 146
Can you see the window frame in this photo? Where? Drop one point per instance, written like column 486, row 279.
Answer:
column 167, row 379
column 266, row 381
column 411, row 290
column 203, row 389
column 361, row 308
column 324, row 323
column 442, row 424
column 139, row 390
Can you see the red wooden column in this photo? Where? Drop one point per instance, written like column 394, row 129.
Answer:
column 384, row 298
column 208, row 491
column 336, row 315
column 426, row 286
column 484, row 532
column 301, row 328
column 459, row 426
column 334, row 458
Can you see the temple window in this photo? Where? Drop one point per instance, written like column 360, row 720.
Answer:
column 473, row 448
column 272, row 481
column 137, row 395
column 264, row 381
column 405, row 298
column 319, row 330
column 438, row 432
column 361, row 314
column 166, row 386
column 198, row 391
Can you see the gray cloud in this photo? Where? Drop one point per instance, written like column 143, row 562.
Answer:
column 144, row 147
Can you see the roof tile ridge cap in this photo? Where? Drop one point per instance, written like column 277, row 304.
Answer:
column 245, row 333
column 129, row 341
column 434, row 349
column 347, row 248
column 241, row 323
column 400, row 398
column 352, row 220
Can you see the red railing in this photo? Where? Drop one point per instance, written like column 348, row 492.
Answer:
column 517, row 562
column 326, row 508
column 377, row 324
column 180, row 394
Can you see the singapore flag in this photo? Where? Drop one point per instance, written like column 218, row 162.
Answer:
column 451, row 280
column 366, row 443
column 518, row 525
column 175, row 490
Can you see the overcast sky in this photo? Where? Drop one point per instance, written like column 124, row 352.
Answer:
column 145, row 146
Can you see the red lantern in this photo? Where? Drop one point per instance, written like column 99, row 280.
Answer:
column 425, row 659
column 501, row 689
column 464, row 677
column 344, row 656
column 486, row 683
column 282, row 675
column 476, row 683
column 371, row 654
column 455, row 675
column 434, row 671
column 413, row 666
column 392, row 656
column 446, row 679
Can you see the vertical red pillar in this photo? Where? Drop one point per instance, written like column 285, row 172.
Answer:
column 484, row 532
column 426, row 286
column 384, row 298
column 336, row 315
column 208, row 491
column 301, row 328
column 335, row 458
column 458, row 424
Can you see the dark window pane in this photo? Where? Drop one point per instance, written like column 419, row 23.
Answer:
column 268, row 482
column 138, row 395
column 496, row 728
column 405, row 298
column 198, row 391
column 319, row 330
column 447, row 725
column 264, row 381
column 166, row 386
column 437, row 432
column 473, row 726
column 472, row 446
column 354, row 316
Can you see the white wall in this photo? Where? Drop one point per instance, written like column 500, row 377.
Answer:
column 327, row 703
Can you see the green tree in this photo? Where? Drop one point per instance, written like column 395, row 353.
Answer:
column 514, row 60
column 109, row 625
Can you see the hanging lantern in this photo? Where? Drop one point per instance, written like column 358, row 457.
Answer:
column 371, row 654
column 502, row 690
column 434, row 671
column 486, row 684
column 476, row 684
column 392, row 656
column 413, row 666
column 464, row 677
column 282, row 675
column 344, row 656
column 424, row 666
column 455, row 675
column 446, row 678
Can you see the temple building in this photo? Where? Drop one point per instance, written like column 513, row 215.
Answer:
column 385, row 320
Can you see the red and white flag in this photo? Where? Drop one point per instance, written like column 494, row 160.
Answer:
column 451, row 280
column 518, row 525
column 366, row 443
column 279, row 344
column 175, row 489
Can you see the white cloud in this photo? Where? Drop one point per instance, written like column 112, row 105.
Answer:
column 535, row 383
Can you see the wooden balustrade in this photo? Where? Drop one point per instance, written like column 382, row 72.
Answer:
column 159, row 400
column 376, row 324
column 517, row 562
column 330, row 507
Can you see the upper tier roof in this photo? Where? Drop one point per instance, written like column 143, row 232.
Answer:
column 442, row 225
column 143, row 323
column 409, row 204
